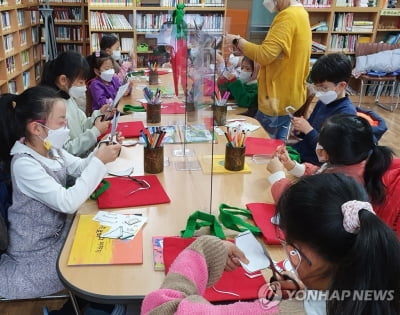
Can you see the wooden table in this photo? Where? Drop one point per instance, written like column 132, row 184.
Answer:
column 189, row 191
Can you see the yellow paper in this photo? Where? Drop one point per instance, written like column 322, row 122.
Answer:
column 217, row 165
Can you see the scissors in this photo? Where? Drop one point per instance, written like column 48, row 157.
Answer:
column 277, row 274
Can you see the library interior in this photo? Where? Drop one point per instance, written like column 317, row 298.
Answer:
column 192, row 161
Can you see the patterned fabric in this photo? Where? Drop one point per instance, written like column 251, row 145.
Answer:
column 350, row 210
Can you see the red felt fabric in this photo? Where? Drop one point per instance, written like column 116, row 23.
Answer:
column 235, row 281
column 265, row 146
column 129, row 129
column 262, row 214
column 117, row 196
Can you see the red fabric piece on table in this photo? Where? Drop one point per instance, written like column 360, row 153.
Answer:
column 262, row 214
column 159, row 71
column 129, row 129
column 265, row 146
column 117, row 196
column 234, row 281
column 170, row 108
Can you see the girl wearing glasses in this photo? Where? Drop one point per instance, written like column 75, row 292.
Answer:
column 33, row 133
column 341, row 254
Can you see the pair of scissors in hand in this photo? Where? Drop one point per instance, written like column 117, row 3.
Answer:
column 277, row 275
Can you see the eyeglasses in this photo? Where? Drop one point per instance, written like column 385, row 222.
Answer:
column 295, row 251
column 42, row 122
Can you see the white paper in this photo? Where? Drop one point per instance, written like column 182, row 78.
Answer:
column 121, row 91
column 253, row 251
column 123, row 226
column 242, row 125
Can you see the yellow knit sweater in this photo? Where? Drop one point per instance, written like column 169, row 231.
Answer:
column 284, row 56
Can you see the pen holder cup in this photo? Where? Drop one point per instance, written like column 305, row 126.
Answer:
column 154, row 160
column 191, row 112
column 234, row 158
column 219, row 113
column 153, row 78
column 153, row 115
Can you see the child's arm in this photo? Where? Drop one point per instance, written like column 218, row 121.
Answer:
column 245, row 95
column 99, row 95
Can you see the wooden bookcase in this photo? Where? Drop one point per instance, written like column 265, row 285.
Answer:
column 139, row 22
column 348, row 22
column 20, row 53
column 70, row 25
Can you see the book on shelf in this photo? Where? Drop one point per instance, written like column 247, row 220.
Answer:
column 318, row 46
column 320, row 26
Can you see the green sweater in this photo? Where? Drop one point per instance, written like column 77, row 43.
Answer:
column 245, row 94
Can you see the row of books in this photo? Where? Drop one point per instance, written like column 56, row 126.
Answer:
column 20, row 17
column 392, row 38
column 151, row 21
column 24, row 57
column 109, row 21
column 317, row 47
column 67, row 14
column 8, row 42
column 111, row 2
column 62, row 1
column 26, row 79
column 75, row 47
column 11, row 65
column 345, row 43
column 69, row 33
column 316, row 3
column 5, row 20
column 23, row 39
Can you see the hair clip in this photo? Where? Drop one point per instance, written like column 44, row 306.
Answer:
column 14, row 104
column 97, row 53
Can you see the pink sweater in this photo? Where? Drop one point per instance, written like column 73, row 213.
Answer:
column 197, row 267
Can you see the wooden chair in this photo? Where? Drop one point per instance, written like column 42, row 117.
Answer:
column 391, row 81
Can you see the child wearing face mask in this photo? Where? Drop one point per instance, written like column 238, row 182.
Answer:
column 244, row 87
column 111, row 45
column 105, row 85
column 330, row 75
column 345, row 145
column 67, row 74
column 33, row 131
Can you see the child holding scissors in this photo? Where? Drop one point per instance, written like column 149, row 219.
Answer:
column 334, row 244
column 67, row 74
column 34, row 130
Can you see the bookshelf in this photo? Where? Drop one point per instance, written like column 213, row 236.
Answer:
column 20, row 52
column 70, row 25
column 388, row 29
column 138, row 22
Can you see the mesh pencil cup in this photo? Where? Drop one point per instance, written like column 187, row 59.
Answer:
column 153, row 160
column 234, row 158
column 153, row 77
column 153, row 113
column 219, row 113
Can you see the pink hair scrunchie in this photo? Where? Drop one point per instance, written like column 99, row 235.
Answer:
column 350, row 209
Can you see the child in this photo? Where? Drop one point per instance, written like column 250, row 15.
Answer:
column 332, row 239
column 104, row 87
column 330, row 75
column 111, row 45
column 34, row 130
column 67, row 74
column 346, row 145
column 244, row 87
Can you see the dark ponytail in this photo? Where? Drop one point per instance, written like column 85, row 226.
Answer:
column 355, row 137
column 377, row 164
column 17, row 111
column 311, row 213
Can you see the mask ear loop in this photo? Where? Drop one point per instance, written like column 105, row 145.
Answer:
column 295, row 252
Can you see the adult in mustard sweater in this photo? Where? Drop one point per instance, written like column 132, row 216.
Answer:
column 284, row 58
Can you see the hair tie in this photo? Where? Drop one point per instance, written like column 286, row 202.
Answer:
column 350, row 209
column 97, row 53
column 14, row 104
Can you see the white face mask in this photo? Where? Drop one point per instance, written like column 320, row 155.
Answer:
column 107, row 75
column 234, row 60
column 77, row 91
column 270, row 6
column 319, row 147
column 116, row 54
column 326, row 97
column 245, row 76
column 56, row 138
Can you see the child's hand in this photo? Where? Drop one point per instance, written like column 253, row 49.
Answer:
column 282, row 154
column 102, row 126
column 274, row 165
column 119, row 137
column 301, row 124
column 108, row 153
column 235, row 255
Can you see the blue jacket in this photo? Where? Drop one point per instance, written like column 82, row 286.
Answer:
column 306, row 147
